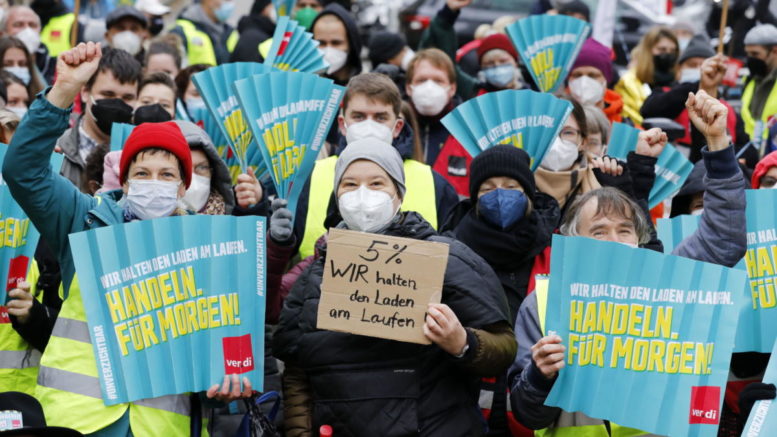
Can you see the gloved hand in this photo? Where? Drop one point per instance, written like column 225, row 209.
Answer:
column 756, row 391
column 281, row 231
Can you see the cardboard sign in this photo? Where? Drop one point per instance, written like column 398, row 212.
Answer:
column 379, row 286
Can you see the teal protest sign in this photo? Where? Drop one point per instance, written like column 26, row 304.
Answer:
column 294, row 49
column 653, row 328
column 763, row 417
column 164, row 291
column 525, row 119
column 119, row 134
column 18, row 240
column 757, row 322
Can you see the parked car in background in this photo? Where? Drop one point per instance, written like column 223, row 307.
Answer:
column 417, row 17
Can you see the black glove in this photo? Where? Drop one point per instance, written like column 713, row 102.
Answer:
column 281, row 231
column 757, row 391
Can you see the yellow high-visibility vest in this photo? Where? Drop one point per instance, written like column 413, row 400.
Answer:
column 770, row 109
column 56, row 35
column 420, row 197
column 199, row 46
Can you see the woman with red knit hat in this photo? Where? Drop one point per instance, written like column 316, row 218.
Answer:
column 765, row 174
column 155, row 170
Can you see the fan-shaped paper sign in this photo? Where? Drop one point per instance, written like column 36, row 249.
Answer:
column 215, row 86
column 294, row 49
column 548, row 45
column 203, row 118
column 290, row 123
column 284, row 7
column 187, row 290
column 656, row 329
column 522, row 118
column 119, row 134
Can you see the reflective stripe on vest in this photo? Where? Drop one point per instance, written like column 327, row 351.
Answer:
column 420, row 197
column 19, row 361
column 770, row 108
column 69, row 386
column 232, row 41
column 574, row 424
column 199, row 47
column 56, row 35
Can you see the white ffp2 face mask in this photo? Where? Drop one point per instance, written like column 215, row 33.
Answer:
column 366, row 210
column 368, row 129
column 150, row 199
column 30, row 38
column 128, row 41
column 586, row 90
column 561, row 156
column 690, row 75
column 197, row 194
column 407, row 58
column 429, row 98
column 336, row 59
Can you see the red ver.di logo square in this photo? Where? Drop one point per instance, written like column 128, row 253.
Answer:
column 705, row 405
column 238, row 354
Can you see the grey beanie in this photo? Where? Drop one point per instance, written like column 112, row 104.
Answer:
column 764, row 34
column 699, row 47
column 383, row 154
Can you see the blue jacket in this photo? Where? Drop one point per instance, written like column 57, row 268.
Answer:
column 56, row 207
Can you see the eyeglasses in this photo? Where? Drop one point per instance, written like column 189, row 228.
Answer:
column 570, row 134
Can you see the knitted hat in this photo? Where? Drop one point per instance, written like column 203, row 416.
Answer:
column 764, row 34
column 259, row 6
column 699, row 47
column 497, row 41
column 383, row 154
column 384, row 46
column 763, row 166
column 508, row 161
column 594, row 54
column 167, row 136
column 575, row 7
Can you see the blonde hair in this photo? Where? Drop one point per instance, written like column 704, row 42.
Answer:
column 642, row 55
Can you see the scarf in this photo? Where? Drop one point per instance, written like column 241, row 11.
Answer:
column 503, row 250
column 215, row 205
column 566, row 185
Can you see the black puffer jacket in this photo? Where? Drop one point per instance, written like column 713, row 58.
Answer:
column 369, row 386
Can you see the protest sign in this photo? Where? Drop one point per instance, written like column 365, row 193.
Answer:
column 173, row 304
column 294, row 49
column 757, row 322
column 119, row 134
column 525, row 119
column 655, row 329
column 283, row 7
column 55, row 160
column 548, row 46
column 215, row 86
column 379, row 286
column 290, row 124
column 763, row 417
column 18, row 240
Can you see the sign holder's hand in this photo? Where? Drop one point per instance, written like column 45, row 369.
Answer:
column 20, row 304
column 651, row 142
column 548, row 355
column 74, row 68
column 710, row 117
column 248, row 191
column 443, row 328
column 607, row 165
column 280, row 222
column 230, row 390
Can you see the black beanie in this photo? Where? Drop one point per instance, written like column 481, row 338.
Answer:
column 259, row 6
column 698, row 47
column 507, row 161
column 384, row 46
column 575, row 7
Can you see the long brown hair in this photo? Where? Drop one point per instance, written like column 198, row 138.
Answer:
column 642, row 55
column 36, row 82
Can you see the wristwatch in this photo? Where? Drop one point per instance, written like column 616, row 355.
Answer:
column 463, row 351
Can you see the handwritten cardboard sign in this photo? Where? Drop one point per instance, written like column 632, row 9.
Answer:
column 379, row 286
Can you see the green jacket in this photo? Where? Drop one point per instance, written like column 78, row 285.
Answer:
column 56, row 207
column 441, row 35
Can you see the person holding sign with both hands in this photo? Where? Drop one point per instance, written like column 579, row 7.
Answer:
column 155, row 171
column 608, row 214
column 362, row 385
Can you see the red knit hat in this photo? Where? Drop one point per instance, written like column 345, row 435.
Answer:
column 497, row 41
column 762, row 167
column 167, row 136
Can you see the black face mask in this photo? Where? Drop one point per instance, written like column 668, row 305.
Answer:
column 151, row 114
column 757, row 67
column 105, row 112
column 156, row 26
column 664, row 61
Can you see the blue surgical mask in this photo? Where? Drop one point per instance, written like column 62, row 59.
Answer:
column 500, row 76
column 224, row 11
column 503, row 208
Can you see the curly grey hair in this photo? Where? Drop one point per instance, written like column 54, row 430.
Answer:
column 609, row 200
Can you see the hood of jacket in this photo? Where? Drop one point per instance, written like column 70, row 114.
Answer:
column 220, row 179
column 256, row 23
column 196, row 14
column 403, row 143
column 352, row 31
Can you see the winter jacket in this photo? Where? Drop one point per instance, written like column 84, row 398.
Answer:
column 353, row 62
column 446, row 198
column 253, row 30
column 218, row 33
column 720, row 239
column 73, row 167
column 369, row 386
column 432, row 132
